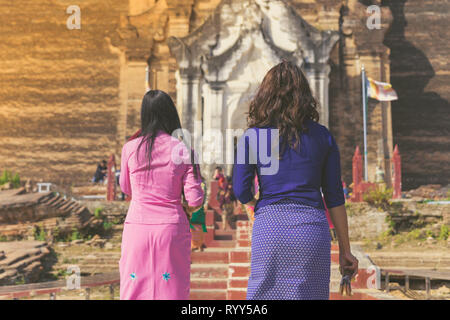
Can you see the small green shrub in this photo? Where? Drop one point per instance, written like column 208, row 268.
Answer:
column 39, row 234
column 15, row 181
column 107, row 225
column 7, row 176
column 70, row 261
column 378, row 197
column 116, row 221
column 20, row 280
column 385, row 236
column 57, row 235
column 415, row 234
column 391, row 225
column 443, row 234
column 75, row 235
column 98, row 212
column 61, row 273
column 399, row 239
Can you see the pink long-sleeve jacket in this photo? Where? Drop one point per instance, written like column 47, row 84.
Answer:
column 156, row 194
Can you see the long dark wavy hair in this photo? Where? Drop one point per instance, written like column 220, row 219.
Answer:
column 284, row 100
column 158, row 113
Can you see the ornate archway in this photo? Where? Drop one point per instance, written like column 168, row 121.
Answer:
column 222, row 62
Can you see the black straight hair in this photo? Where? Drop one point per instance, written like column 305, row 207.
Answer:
column 158, row 113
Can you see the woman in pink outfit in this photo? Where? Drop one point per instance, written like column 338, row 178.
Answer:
column 156, row 242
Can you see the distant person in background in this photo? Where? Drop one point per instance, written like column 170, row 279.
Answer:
column 217, row 173
column 346, row 192
column 219, row 176
column 198, row 224
column 227, row 203
column 100, row 173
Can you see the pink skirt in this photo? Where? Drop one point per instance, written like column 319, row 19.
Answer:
column 155, row 262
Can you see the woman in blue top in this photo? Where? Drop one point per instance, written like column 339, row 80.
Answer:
column 291, row 242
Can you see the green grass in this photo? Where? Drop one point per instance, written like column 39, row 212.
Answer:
column 39, row 234
column 98, row 212
column 443, row 234
column 7, row 176
column 20, row 280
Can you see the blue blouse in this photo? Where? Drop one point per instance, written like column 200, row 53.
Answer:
column 301, row 174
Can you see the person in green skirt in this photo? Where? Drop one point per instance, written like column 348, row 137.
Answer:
column 198, row 224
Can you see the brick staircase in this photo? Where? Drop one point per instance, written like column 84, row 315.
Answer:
column 21, row 260
column 21, row 211
column 210, row 268
column 221, row 271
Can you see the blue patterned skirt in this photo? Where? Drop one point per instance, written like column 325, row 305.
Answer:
column 290, row 257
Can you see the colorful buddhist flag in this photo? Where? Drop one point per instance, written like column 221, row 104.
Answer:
column 380, row 91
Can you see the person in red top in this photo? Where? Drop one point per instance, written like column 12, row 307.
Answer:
column 225, row 197
column 218, row 175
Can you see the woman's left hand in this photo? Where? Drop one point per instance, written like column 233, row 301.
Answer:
column 251, row 203
column 348, row 264
column 189, row 209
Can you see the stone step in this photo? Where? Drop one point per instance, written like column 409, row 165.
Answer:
column 335, row 273
column 222, row 244
column 236, row 216
column 13, row 258
column 224, row 234
column 355, row 296
column 239, row 270
column 210, row 271
column 24, row 263
column 241, row 293
column 334, row 285
column 405, row 260
column 59, row 203
column 209, row 256
column 238, row 283
column 91, row 260
column 22, row 258
column 218, row 225
column 96, row 257
column 50, row 200
column 203, row 283
column 91, row 269
column 240, row 255
column 237, row 294
column 208, row 294
column 7, row 274
column 88, row 266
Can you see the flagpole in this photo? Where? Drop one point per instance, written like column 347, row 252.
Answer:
column 364, row 97
column 147, row 79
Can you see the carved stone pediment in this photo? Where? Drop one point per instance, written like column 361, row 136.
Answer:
column 231, row 31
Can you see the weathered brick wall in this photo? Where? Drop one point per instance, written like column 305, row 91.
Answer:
column 420, row 42
column 62, row 106
column 58, row 88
